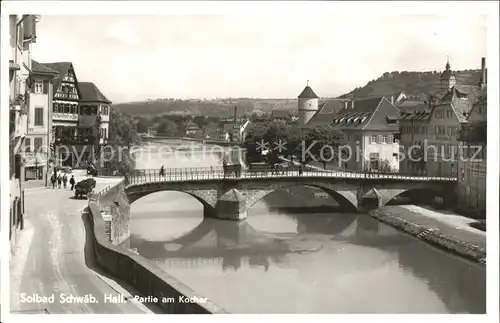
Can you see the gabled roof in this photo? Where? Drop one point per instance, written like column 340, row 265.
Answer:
column 62, row 69
column 367, row 114
column 308, row 93
column 327, row 111
column 90, row 93
column 38, row 68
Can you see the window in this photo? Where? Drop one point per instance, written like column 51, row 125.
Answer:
column 38, row 116
column 384, row 139
column 373, row 139
column 436, row 130
column 27, row 145
column 450, row 131
column 38, row 87
column 38, row 144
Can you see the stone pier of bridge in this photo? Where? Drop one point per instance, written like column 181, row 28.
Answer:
column 230, row 198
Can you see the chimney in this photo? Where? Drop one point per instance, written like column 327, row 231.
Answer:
column 392, row 99
column 483, row 73
column 235, row 109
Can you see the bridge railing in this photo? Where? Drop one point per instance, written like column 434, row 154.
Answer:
column 217, row 172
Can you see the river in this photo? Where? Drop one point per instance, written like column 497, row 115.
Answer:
column 287, row 262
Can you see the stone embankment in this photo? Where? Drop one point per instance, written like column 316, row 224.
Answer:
column 150, row 281
column 456, row 240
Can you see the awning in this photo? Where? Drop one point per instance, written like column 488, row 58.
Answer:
column 14, row 66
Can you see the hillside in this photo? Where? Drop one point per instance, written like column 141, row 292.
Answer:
column 411, row 82
column 387, row 84
column 218, row 108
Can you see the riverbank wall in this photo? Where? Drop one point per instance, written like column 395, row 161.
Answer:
column 149, row 280
column 451, row 240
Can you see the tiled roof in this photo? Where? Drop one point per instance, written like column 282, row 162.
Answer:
column 62, row 69
column 462, row 109
column 421, row 112
column 327, row 111
column 90, row 93
column 409, row 104
column 461, row 91
column 308, row 93
column 38, row 68
column 366, row 114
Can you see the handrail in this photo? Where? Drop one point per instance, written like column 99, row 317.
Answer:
column 142, row 176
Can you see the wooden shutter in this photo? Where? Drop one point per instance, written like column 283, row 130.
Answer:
column 45, row 87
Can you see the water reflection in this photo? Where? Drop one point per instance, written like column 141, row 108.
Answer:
column 316, row 263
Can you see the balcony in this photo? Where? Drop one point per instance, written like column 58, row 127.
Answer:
column 66, row 96
column 65, row 116
column 475, row 133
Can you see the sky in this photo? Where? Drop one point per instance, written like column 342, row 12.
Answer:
column 135, row 58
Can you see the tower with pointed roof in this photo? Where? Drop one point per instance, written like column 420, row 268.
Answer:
column 307, row 105
column 447, row 78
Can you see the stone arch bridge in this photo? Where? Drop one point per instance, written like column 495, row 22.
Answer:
column 229, row 198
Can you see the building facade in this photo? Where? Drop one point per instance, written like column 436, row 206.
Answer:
column 413, row 134
column 22, row 33
column 448, row 115
column 65, row 113
column 93, row 123
column 472, row 164
column 39, row 136
column 369, row 127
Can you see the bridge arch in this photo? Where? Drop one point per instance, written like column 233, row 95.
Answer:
column 207, row 199
column 345, row 197
column 415, row 194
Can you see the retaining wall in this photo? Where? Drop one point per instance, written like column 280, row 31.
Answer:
column 144, row 276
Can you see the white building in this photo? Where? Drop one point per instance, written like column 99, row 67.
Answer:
column 369, row 127
column 39, row 135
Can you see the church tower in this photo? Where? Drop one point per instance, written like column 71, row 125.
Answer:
column 307, row 105
column 447, row 78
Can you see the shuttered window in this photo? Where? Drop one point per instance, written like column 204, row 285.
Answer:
column 38, row 116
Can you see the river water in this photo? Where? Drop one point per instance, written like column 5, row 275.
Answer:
column 286, row 262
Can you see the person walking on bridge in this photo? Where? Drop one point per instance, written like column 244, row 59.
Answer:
column 162, row 171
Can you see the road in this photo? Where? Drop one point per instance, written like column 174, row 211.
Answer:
column 50, row 259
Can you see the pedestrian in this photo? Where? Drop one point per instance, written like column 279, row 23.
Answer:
column 59, row 180
column 162, row 171
column 72, row 181
column 65, row 180
column 53, row 180
column 300, row 169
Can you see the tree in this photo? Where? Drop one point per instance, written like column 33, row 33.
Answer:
column 142, row 125
column 199, row 121
column 168, row 128
column 322, row 143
